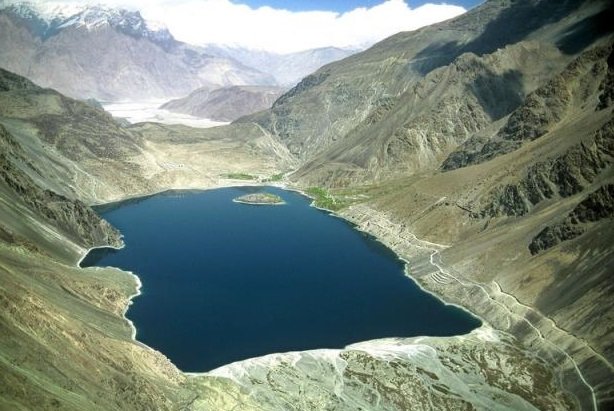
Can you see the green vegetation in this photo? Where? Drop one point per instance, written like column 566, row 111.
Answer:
column 323, row 199
column 277, row 177
column 274, row 178
column 342, row 197
column 240, row 176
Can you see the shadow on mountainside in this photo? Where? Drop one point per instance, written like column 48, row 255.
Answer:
column 583, row 33
column 498, row 94
column 511, row 25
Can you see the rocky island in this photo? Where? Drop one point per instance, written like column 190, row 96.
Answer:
column 260, row 199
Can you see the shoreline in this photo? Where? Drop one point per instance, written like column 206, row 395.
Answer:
column 514, row 318
column 131, row 297
column 347, row 218
column 271, row 200
column 282, row 186
column 406, row 270
column 234, row 200
column 137, row 292
column 363, row 346
column 256, row 204
column 98, row 247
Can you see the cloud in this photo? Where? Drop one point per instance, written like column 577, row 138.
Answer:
column 231, row 23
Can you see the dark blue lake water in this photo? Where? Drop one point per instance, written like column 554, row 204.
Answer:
column 224, row 281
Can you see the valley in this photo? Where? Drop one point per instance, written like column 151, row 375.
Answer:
column 151, row 111
column 482, row 158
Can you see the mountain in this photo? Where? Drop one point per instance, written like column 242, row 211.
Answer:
column 231, row 102
column 117, row 54
column 226, row 103
column 114, row 53
column 479, row 150
column 289, row 68
column 488, row 136
column 65, row 342
column 462, row 68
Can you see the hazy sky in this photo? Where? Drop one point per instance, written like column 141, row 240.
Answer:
column 286, row 26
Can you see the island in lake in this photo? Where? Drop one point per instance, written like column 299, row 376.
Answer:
column 260, row 199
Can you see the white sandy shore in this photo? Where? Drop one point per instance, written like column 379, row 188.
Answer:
column 257, row 204
column 149, row 111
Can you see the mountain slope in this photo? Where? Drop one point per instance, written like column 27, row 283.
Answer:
column 490, row 137
column 395, row 106
column 81, row 151
column 226, row 103
column 53, row 311
column 113, row 52
column 288, row 69
column 64, row 342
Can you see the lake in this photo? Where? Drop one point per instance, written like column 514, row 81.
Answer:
column 224, row 281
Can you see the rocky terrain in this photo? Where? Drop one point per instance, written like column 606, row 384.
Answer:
column 260, row 199
column 597, row 206
column 478, row 149
column 420, row 373
column 226, row 103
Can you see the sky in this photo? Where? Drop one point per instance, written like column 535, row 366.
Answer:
column 342, row 5
column 289, row 26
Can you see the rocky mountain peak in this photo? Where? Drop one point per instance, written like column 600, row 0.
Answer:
column 45, row 11
column 48, row 19
column 126, row 21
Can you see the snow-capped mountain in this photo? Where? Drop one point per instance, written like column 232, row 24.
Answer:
column 54, row 17
column 47, row 11
column 112, row 53
column 109, row 53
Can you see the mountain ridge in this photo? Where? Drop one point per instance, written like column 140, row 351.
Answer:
column 289, row 68
column 36, row 36
column 114, row 52
column 49, row 21
column 371, row 97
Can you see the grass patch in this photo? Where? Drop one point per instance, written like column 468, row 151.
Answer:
column 323, row 199
column 277, row 177
column 274, row 178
